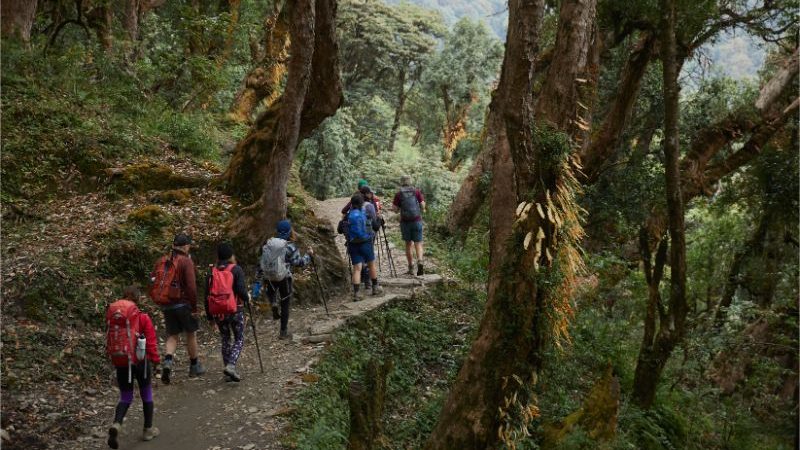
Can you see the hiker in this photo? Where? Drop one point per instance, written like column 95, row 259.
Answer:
column 174, row 290
column 369, row 197
column 360, row 237
column 278, row 255
column 411, row 204
column 226, row 297
column 372, row 210
column 131, row 343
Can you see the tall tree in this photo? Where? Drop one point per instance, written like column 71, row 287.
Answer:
column 533, row 255
column 259, row 168
column 657, row 347
column 466, row 65
column 17, row 18
column 385, row 49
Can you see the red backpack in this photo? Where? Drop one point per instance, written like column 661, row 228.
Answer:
column 166, row 286
column 221, row 299
column 122, row 330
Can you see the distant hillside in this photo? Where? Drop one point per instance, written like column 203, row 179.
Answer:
column 493, row 12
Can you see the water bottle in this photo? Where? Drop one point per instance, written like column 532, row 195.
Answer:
column 141, row 349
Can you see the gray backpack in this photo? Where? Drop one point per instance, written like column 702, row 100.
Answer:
column 409, row 205
column 273, row 259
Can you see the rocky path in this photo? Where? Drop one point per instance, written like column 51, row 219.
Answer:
column 208, row 413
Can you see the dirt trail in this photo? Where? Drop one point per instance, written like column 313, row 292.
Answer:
column 208, row 413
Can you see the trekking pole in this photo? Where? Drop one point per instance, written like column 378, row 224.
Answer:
column 377, row 239
column 319, row 284
column 350, row 264
column 392, row 268
column 255, row 335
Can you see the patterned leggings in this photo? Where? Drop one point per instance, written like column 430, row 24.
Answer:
column 232, row 324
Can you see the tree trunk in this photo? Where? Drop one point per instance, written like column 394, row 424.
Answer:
column 367, row 401
column 655, row 352
column 259, row 168
column 130, row 20
column 398, row 111
column 455, row 117
column 493, row 387
column 474, row 188
column 262, row 83
column 606, row 140
column 16, row 18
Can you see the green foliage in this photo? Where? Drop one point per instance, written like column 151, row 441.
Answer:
column 332, row 151
column 412, row 334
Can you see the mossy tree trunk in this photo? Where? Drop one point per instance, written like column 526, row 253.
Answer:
column 262, row 83
column 259, row 169
column 534, row 229
column 657, row 347
column 17, row 18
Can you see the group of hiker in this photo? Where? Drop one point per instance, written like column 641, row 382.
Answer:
column 131, row 337
column 361, row 222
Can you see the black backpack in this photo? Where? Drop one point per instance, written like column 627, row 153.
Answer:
column 409, row 205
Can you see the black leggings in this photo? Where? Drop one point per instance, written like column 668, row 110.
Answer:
column 143, row 377
column 282, row 288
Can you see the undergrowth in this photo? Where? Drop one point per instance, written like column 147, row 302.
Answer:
column 425, row 338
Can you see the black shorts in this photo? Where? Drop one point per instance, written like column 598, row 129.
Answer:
column 180, row 320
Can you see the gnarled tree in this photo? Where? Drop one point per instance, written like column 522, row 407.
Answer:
column 262, row 82
column 259, row 168
column 535, row 228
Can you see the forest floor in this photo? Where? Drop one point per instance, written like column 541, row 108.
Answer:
column 209, row 413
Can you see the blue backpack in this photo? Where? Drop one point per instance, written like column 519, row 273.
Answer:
column 357, row 232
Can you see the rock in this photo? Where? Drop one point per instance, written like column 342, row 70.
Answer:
column 90, row 392
column 99, row 433
column 326, row 327
column 249, row 447
column 4, row 435
column 316, row 339
column 252, row 410
column 53, row 416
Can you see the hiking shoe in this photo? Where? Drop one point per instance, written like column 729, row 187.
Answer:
column 150, row 433
column 230, row 371
column 358, row 296
column 113, row 432
column 377, row 290
column 196, row 370
column 284, row 335
column 276, row 312
column 166, row 370
column 420, row 272
column 410, row 269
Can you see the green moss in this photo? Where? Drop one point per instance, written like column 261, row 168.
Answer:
column 148, row 176
column 174, row 196
column 151, row 217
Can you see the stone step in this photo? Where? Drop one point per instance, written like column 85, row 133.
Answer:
column 407, row 281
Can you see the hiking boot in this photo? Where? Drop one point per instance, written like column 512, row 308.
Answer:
column 377, row 290
column 420, row 272
column 196, row 370
column 166, row 370
column 357, row 296
column 284, row 335
column 230, row 371
column 276, row 311
column 113, row 432
column 410, row 269
column 150, row 433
